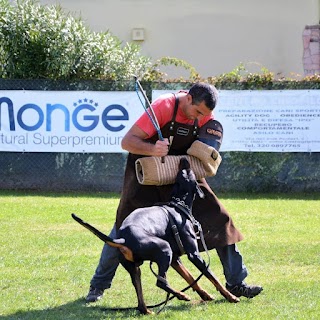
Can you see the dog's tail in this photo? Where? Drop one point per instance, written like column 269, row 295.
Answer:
column 117, row 243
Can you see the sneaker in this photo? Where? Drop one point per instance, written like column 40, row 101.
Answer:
column 94, row 294
column 245, row 290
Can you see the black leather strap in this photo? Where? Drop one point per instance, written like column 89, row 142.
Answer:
column 173, row 119
column 175, row 230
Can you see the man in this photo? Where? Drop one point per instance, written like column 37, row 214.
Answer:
column 179, row 118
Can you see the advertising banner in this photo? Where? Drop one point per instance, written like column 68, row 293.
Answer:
column 268, row 120
column 66, row 121
column 96, row 121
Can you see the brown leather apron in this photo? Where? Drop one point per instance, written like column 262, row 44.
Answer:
column 217, row 225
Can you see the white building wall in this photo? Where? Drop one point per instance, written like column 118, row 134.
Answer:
column 214, row 36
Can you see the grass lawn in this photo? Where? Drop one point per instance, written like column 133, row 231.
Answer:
column 47, row 259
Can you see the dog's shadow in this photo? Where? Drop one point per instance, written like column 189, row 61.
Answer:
column 74, row 310
column 79, row 310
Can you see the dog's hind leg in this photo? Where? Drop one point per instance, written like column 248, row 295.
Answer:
column 185, row 274
column 135, row 274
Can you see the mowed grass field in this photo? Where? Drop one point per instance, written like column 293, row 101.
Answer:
column 47, row 259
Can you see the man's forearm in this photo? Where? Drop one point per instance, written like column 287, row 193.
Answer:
column 137, row 146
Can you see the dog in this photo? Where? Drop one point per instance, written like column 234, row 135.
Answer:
column 161, row 234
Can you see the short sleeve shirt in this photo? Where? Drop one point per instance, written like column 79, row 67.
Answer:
column 163, row 108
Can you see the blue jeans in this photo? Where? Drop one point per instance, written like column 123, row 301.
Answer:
column 108, row 264
column 233, row 267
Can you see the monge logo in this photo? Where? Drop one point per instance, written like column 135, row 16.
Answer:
column 44, row 126
column 82, row 117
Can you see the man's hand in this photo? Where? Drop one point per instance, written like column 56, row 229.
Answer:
column 134, row 142
column 161, row 148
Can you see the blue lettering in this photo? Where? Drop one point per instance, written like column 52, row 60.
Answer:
column 59, row 112
column 40, row 114
column 64, row 109
column 105, row 117
column 94, row 119
column 10, row 110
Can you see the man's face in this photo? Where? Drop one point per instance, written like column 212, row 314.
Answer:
column 196, row 111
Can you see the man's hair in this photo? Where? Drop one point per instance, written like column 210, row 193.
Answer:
column 204, row 92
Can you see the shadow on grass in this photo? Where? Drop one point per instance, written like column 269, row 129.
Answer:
column 74, row 310
column 79, row 310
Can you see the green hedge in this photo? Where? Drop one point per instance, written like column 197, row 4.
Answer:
column 44, row 42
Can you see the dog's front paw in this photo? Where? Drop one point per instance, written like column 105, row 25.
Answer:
column 182, row 296
column 144, row 310
column 233, row 298
column 205, row 296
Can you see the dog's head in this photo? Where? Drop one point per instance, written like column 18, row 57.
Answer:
column 186, row 186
